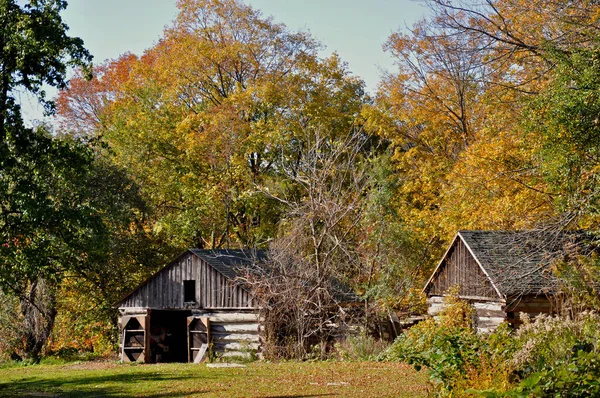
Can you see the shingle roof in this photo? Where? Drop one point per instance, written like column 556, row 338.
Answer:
column 517, row 262
column 231, row 262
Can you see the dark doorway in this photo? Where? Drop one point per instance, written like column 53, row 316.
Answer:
column 168, row 336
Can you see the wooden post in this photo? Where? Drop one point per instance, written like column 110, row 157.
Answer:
column 147, row 349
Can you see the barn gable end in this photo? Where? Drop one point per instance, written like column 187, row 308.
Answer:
column 213, row 273
column 459, row 267
column 192, row 303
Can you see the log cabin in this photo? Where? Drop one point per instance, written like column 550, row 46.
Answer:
column 501, row 273
column 192, row 305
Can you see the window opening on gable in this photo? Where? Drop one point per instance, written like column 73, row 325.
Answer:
column 189, row 291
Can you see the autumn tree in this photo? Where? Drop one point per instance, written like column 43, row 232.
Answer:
column 540, row 49
column 432, row 111
column 208, row 112
column 470, row 111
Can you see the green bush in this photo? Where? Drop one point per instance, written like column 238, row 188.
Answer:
column 548, row 356
column 448, row 347
column 554, row 357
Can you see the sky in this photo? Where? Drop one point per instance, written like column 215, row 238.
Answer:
column 355, row 29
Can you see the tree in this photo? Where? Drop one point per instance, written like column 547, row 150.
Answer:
column 44, row 224
column 34, row 50
column 207, row 113
column 315, row 260
column 565, row 118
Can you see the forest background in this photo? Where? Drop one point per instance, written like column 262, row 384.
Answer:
column 232, row 131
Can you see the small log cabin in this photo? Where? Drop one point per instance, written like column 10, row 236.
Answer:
column 192, row 305
column 502, row 273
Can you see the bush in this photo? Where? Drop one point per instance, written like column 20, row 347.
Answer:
column 555, row 357
column 549, row 356
column 360, row 348
column 448, row 347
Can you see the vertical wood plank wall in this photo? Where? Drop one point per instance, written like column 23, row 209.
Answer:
column 165, row 290
column 461, row 269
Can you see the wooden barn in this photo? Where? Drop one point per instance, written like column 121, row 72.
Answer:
column 502, row 273
column 192, row 305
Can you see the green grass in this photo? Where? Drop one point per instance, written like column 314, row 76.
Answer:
column 286, row 379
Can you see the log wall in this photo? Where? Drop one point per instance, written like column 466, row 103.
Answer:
column 486, row 317
column 489, row 314
column 233, row 333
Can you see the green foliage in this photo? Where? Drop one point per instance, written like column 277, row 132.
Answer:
column 391, row 255
column 565, row 117
column 35, row 51
column 550, row 356
column 447, row 347
column 46, row 222
column 553, row 357
column 10, row 330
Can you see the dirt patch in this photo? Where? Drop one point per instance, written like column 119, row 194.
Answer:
column 91, row 365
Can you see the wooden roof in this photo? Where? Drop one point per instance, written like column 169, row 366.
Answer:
column 516, row 262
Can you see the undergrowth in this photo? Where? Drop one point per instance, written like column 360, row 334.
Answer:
column 548, row 356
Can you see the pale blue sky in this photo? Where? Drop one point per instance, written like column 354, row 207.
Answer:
column 355, row 29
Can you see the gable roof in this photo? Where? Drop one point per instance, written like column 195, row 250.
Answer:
column 516, row 262
column 228, row 262
column 231, row 262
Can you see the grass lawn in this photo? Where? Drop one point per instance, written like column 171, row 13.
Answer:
column 286, row 379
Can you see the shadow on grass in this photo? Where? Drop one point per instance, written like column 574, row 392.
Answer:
column 121, row 385
column 300, row 396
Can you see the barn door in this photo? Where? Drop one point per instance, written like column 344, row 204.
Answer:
column 135, row 338
column 198, row 338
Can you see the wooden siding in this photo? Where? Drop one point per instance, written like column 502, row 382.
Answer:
column 459, row 268
column 165, row 289
column 530, row 305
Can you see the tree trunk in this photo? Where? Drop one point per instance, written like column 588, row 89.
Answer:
column 38, row 308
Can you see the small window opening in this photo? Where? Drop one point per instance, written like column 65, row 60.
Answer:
column 189, row 291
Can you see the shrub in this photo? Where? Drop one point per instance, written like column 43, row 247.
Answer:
column 360, row 348
column 448, row 347
column 554, row 357
column 548, row 356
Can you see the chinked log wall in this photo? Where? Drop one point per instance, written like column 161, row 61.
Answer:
column 490, row 314
column 233, row 334
column 487, row 317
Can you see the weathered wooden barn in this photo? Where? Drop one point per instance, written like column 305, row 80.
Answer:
column 192, row 305
column 502, row 273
